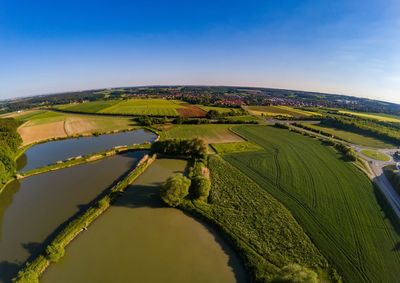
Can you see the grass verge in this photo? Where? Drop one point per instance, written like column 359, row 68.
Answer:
column 375, row 155
column 223, row 148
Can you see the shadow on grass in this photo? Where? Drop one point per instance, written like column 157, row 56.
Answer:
column 396, row 247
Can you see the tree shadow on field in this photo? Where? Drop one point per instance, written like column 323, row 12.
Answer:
column 386, row 209
column 8, row 270
column 396, row 247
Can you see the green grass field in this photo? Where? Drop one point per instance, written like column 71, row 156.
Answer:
column 352, row 137
column 88, row 107
column 375, row 116
column 375, row 155
column 223, row 148
column 151, row 107
column 41, row 117
column 156, row 107
column 333, row 201
column 280, row 111
column 210, row 132
column 263, row 230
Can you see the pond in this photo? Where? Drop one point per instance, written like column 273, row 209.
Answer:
column 50, row 152
column 140, row 240
column 31, row 209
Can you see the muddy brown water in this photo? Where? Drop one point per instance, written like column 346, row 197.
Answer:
column 50, row 152
column 31, row 209
column 140, row 240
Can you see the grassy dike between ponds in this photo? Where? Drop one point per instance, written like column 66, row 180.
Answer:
column 55, row 250
column 83, row 159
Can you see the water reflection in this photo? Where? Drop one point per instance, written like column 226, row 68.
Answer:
column 48, row 153
column 32, row 209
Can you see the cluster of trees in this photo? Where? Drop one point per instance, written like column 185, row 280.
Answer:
column 10, row 141
column 281, row 126
column 389, row 132
column 329, row 135
column 149, row 121
column 348, row 153
column 196, row 186
column 198, row 121
column 292, row 118
column 214, row 114
column 194, row 148
column 201, row 184
column 175, row 190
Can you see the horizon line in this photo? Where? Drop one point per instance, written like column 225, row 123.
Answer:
column 197, row 85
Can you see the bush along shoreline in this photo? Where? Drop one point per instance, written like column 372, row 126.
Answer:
column 10, row 142
column 56, row 249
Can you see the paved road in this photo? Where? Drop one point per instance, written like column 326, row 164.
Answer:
column 386, row 187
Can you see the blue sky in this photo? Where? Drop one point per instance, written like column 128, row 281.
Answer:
column 349, row 47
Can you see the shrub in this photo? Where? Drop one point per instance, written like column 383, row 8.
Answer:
column 27, row 277
column 175, row 189
column 294, row 273
column 200, row 188
column 149, row 121
column 281, row 126
column 347, row 151
column 54, row 252
column 103, row 203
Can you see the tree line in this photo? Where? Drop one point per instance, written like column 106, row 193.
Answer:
column 10, row 141
column 194, row 148
column 381, row 130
